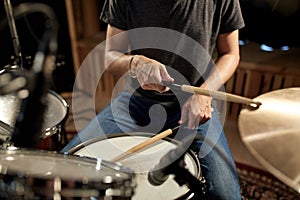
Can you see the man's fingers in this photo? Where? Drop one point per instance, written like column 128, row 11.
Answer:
column 156, row 87
column 183, row 115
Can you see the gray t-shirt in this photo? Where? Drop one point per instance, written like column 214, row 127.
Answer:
column 201, row 20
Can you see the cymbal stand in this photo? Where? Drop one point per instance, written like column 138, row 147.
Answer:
column 14, row 36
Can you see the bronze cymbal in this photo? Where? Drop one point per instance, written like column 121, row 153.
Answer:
column 272, row 134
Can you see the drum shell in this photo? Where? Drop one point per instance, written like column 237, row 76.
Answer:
column 63, row 176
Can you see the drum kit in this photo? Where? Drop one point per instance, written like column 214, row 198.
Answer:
column 31, row 113
column 268, row 125
column 32, row 118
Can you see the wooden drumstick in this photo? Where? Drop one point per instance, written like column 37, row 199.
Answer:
column 215, row 94
column 145, row 144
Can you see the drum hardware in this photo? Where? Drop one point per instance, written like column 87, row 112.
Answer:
column 214, row 94
column 271, row 134
column 35, row 174
column 173, row 163
column 145, row 143
column 14, row 34
column 107, row 147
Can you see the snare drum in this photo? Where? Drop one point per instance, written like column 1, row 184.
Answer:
column 141, row 163
column 26, row 174
column 55, row 116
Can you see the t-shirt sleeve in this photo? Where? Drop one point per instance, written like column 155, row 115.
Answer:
column 232, row 18
column 114, row 12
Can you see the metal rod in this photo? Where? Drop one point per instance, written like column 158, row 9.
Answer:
column 13, row 32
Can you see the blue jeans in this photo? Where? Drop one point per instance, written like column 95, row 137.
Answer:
column 217, row 165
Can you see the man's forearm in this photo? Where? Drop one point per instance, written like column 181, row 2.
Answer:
column 225, row 67
column 117, row 63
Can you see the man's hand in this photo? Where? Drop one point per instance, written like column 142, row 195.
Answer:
column 150, row 73
column 196, row 110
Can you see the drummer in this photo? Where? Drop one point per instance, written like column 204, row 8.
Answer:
column 177, row 48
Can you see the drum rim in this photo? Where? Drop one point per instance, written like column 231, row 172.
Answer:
column 51, row 154
column 62, row 100
column 6, row 127
column 113, row 135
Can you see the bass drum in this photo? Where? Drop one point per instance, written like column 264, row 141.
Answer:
column 142, row 162
column 52, row 136
column 27, row 174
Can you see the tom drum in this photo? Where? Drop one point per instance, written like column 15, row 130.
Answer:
column 55, row 116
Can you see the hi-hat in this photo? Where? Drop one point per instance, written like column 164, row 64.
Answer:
column 272, row 134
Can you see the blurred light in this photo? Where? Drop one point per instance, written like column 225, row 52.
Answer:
column 241, row 42
column 9, row 158
column 267, row 48
column 12, row 148
column 98, row 165
column 285, row 48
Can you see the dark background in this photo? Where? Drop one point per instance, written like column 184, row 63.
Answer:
column 271, row 22
column 30, row 30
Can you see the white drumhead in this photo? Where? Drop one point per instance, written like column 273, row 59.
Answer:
column 141, row 163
